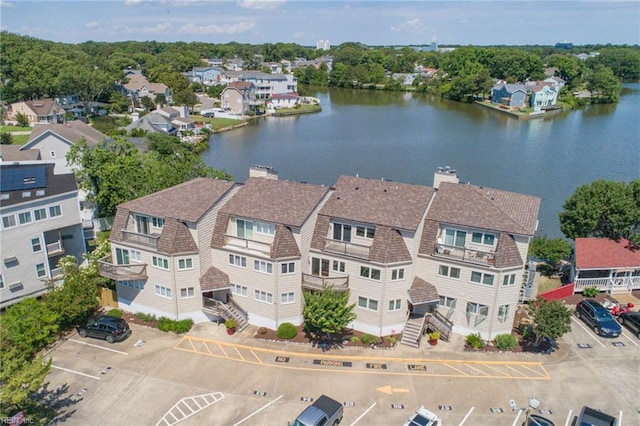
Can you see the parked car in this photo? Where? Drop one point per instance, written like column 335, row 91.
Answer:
column 423, row 417
column 598, row 318
column 631, row 320
column 208, row 114
column 104, row 327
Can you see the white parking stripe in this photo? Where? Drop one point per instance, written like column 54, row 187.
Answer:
column 363, row 414
column 631, row 339
column 588, row 331
column 620, row 419
column 569, row 417
column 74, row 372
column 98, row 346
column 517, row 417
column 466, row 417
column 257, row 411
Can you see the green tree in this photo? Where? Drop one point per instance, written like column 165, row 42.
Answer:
column 22, row 119
column 604, row 86
column 185, row 97
column 552, row 250
column 6, row 138
column 20, row 379
column 603, row 208
column 328, row 312
column 551, row 319
column 29, row 326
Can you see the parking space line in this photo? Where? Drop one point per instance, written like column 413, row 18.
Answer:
column 257, row 411
column 513, row 369
column 98, row 346
column 238, row 352
column 515, row 422
column 363, row 414
column 545, row 375
column 479, row 371
column 457, row 369
column 223, row 351
column 569, row 416
column 467, row 416
column 630, row 339
column 257, row 357
column 588, row 331
column 74, row 372
column 500, row 372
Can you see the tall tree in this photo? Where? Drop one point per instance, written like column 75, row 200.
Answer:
column 551, row 319
column 604, row 86
column 328, row 312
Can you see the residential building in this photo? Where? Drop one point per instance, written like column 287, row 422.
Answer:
column 37, row 111
column 161, row 248
column 509, row 95
column 13, row 154
column 543, row 97
column 265, row 84
column 283, row 100
column 41, row 223
column 238, row 97
column 208, row 76
column 137, row 87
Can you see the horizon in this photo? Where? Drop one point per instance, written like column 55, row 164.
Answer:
column 372, row 23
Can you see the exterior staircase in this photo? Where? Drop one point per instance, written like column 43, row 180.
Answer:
column 226, row 311
column 413, row 331
column 437, row 321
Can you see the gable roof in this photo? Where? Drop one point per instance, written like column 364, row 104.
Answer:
column 15, row 153
column 70, row 132
column 188, row 201
column 377, row 201
column 597, row 253
column 422, row 291
column 42, row 107
column 275, row 201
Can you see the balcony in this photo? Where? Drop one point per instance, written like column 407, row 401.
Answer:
column 316, row 283
column 245, row 244
column 346, row 248
column 146, row 240
column 56, row 273
column 55, row 249
column 467, row 255
column 122, row 272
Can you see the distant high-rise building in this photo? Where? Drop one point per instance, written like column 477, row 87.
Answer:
column 564, row 45
column 434, row 44
column 323, row 45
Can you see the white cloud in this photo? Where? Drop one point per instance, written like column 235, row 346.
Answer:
column 411, row 26
column 92, row 24
column 132, row 2
column 4, row 3
column 240, row 27
column 155, row 29
column 260, row 4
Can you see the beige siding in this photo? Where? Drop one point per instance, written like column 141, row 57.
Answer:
column 306, row 233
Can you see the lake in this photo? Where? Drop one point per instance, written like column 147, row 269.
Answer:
column 406, row 136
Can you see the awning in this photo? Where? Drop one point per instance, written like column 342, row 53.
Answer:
column 214, row 279
column 422, row 292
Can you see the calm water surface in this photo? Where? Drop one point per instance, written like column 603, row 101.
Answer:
column 405, row 137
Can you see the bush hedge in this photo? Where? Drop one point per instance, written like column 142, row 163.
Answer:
column 369, row 339
column 117, row 313
column 178, row 327
column 505, row 342
column 286, row 330
column 475, row 341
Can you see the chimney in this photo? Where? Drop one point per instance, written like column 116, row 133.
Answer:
column 266, row 172
column 444, row 174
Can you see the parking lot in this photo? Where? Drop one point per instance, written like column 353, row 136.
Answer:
column 208, row 377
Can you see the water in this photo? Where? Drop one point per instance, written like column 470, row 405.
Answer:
column 405, row 137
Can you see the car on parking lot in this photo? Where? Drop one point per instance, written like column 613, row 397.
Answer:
column 104, row 327
column 208, row 114
column 598, row 318
column 631, row 320
column 423, row 417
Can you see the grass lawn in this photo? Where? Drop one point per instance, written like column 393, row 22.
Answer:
column 219, row 123
column 546, row 283
column 15, row 129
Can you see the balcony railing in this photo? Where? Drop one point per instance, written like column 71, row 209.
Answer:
column 141, row 239
column 246, row 244
column 607, row 283
column 465, row 254
column 316, row 283
column 346, row 248
column 122, row 272
column 54, row 249
column 56, row 273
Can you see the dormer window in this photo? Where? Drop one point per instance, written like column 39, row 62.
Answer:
column 157, row 222
column 482, row 238
column 265, row 228
column 365, row 231
column 342, row 232
column 244, row 229
column 455, row 237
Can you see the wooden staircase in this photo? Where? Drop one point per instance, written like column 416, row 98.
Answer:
column 437, row 321
column 413, row 331
column 227, row 311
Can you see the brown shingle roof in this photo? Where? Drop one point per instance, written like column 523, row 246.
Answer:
column 187, row 201
column 507, row 253
column 14, row 153
column 176, row 238
column 388, row 246
column 44, row 106
column 214, row 279
column 275, row 201
column 422, row 292
column 284, row 244
column 71, row 131
column 378, row 202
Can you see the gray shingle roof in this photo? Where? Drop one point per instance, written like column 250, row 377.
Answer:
column 214, row 279
column 14, row 153
column 422, row 292
column 71, row 131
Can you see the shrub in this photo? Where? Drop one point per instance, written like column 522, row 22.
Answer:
column 590, row 292
column 230, row 323
column 369, row 339
column 355, row 339
column 505, row 342
column 392, row 340
column 475, row 341
column 115, row 313
column 286, row 330
column 178, row 327
column 146, row 317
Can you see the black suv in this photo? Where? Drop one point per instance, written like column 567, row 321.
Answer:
column 598, row 318
column 111, row 329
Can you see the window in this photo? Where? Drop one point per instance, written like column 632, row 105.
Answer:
column 55, row 211
column 397, row 274
column 8, row 221
column 26, row 194
column 365, row 231
column 236, row 260
column 244, row 229
column 36, row 245
column 40, row 214
column 39, row 192
column 449, row 271
column 239, row 290
column 186, row 263
column 263, row 296
column 40, row 271
column 160, row 262
column 262, row 266
column 371, row 273
column 136, row 256
column 509, row 280
column 503, row 312
column 342, row 232
column 454, row 237
column 24, row 218
column 366, row 303
column 1, row 281
column 163, row 291
column 137, row 284
column 447, row 302
column 395, row 305
column 338, row 266
column 476, row 313
column 52, row 154
column 288, row 268
column 157, row 222
column 187, row 293
column 122, row 256
column 286, row 298
column 4, row 196
column 482, row 238
column 481, row 278
column 265, row 228
column 142, row 224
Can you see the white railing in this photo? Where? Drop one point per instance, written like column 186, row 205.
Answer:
column 246, row 244
column 607, row 283
column 142, row 239
column 121, row 272
column 314, row 282
column 55, row 248
column 346, row 248
column 468, row 255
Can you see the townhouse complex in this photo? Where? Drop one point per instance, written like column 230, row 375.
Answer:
column 209, row 249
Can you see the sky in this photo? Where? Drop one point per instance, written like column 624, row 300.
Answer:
column 304, row 22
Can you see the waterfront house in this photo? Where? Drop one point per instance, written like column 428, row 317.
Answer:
column 284, row 100
column 238, row 97
column 208, row 76
column 265, row 85
column 509, row 95
column 37, row 111
column 542, row 97
column 137, row 87
column 41, row 223
column 606, row 264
